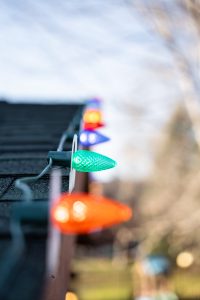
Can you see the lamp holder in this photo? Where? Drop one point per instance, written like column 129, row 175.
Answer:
column 61, row 158
column 31, row 212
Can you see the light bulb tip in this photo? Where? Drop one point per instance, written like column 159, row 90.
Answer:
column 127, row 213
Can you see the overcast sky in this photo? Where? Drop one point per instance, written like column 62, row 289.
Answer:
column 77, row 49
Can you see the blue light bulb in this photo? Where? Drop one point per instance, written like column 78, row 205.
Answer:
column 89, row 138
column 94, row 103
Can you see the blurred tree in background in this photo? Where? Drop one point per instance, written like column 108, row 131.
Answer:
column 170, row 206
column 177, row 25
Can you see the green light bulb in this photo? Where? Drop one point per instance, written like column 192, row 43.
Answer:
column 88, row 161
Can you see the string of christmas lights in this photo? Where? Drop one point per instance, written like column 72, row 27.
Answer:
column 84, row 213
column 26, row 211
column 71, row 213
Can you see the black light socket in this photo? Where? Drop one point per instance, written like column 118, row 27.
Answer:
column 60, row 158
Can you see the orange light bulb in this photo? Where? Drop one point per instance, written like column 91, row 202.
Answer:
column 71, row 296
column 92, row 116
column 83, row 213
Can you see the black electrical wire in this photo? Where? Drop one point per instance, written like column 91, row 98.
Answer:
column 11, row 257
column 17, row 247
column 22, row 183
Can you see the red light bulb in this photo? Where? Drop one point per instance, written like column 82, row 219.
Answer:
column 92, row 126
